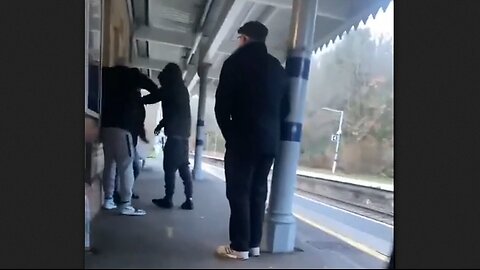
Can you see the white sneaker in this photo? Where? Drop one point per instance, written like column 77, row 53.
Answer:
column 108, row 204
column 227, row 252
column 254, row 252
column 131, row 211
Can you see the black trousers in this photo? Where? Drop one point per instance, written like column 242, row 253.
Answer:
column 176, row 158
column 246, row 180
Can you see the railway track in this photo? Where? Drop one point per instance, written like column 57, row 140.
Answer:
column 374, row 214
column 370, row 202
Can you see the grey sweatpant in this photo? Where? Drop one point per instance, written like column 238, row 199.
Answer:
column 137, row 166
column 118, row 154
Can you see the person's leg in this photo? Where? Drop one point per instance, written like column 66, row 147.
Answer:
column 136, row 170
column 136, row 164
column 116, row 194
column 124, row 155
column 186, row 176
column 170, row 168
column 109, row 168
column 258, row 197
column 188, row 186
column 238, row 174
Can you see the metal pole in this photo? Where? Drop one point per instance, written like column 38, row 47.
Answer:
column 215, row 145
column 200, row 136
column 339, row 135
column 280, row 223
column 207, row 142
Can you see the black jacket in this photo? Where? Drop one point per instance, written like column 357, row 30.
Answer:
column 175, row 102
column 251, row 100
column 121, row 98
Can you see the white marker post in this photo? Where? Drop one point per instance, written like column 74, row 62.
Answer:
column 336, row 137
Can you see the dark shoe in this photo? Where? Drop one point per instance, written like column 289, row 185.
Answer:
column 187, row 205
column 135, row 196
column 163, row 203
column 116, row 197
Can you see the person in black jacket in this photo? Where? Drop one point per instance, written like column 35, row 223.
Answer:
column 177, row 120
column 251, row 102
column 120, row 127
column 139, row 133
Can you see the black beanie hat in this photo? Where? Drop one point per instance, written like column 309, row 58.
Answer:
column 254, row 30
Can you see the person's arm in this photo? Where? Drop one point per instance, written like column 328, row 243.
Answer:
column 142, row 134
column 154, row 97
column 161, row 124
column 159, row 127
column 144, row 82
column 224, row 98
column 155, row 94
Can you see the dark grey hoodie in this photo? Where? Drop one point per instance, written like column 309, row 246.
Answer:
column 175, row 102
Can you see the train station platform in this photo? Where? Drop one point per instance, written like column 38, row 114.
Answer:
column 178, row 239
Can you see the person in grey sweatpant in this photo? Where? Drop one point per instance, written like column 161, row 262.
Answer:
column 118, row 152
column 120, row 122
column 137, row 166
column 139, row 134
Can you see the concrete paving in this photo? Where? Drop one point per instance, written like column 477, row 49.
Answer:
column 187, row 239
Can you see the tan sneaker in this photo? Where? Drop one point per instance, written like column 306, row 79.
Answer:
column 227, row 252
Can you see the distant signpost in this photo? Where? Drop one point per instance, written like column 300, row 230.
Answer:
column 336, row 137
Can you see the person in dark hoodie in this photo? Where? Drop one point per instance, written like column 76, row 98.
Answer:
column 251, row 102
column 120, row 125
column 177, row 120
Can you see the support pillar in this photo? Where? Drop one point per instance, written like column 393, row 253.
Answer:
column 280, row 225
column 200, row 135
